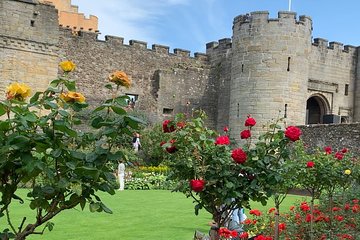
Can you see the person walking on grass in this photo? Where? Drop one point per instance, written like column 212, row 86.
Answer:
column 121, row 175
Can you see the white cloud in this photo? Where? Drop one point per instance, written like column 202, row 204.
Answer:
column 131, row 19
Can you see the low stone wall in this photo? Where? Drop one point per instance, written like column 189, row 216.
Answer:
column 337, row 136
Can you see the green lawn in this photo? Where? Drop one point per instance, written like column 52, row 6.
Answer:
column 151, row 215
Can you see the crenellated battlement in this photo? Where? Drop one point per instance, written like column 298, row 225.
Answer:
column 118, row 42
column 322, row 44
column 257, row 18
column 221, row 44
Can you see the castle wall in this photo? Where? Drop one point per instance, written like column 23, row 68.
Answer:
column 28, row 44
column 96, row 59
column 270, row 67
column 338, row 136
column 332, row 67
column 220, row 56
column 70, row 17
column 357, row 89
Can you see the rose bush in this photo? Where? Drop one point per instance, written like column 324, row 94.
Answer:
column 41, row 147
column 226, row 176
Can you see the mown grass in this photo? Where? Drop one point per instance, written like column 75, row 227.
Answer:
column 150, row 215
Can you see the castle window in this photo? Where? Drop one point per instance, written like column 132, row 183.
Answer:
column 346, row 89
column 168, row 110
column 288, row 66
column 32, row 23
column 242, row 67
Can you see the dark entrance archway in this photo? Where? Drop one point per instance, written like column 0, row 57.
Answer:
column 316, row 107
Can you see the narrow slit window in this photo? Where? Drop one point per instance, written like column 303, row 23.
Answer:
column 242, row 67
column 238, row 110
column 288, row 65
column 346, row 89
column 32, row 23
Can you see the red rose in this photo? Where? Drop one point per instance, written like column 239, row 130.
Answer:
column 226, row 129
column 170, row 149
column 339, row 155
column 181, row 124
column 245, row 134
column 293, row 133
column 255, row 212
column 238, row 155
column 197, row 185
column 250, row 122
column 304, row 207
column 222, row 140
column 328, row 150
column 271, row 210
column 335, row 209
column 344, row 150
column 168, row 126
column 244, row 235
column 282, row 226
column 308, row 217
column 310, row 164
column 339, row 218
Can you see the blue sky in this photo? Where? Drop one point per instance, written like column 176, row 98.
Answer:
column 190, row 24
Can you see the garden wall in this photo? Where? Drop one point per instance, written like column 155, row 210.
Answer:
column 337, row 136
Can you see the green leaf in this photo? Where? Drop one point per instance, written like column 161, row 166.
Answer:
column 63, row 113
column 96, row 122
column 70, row 85
column 50, row 105
column 78, row 155
column 105, row 208
column 31, row 117
column 109, row 86
column 99, row 108
column 76, row 188
column 82, row 202
column 50, row 226
column 197, row 208
column 4, row 125
column 2, row 109
column 118, row 110
column 94, row 206
column 35, row 97
column 55, row 83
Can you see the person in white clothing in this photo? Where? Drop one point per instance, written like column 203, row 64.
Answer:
column 121, row 174
column 136, row 142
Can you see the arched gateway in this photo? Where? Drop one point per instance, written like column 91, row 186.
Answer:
column 316, row 107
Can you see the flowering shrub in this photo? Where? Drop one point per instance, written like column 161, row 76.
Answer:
column 220, row 177
column 39, row 140
column 339, row 222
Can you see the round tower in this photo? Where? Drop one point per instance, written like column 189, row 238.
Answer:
column 270, row 67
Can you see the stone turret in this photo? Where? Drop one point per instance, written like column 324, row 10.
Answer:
column 270, row 66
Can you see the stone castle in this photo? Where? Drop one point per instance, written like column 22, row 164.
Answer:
column 269, row 68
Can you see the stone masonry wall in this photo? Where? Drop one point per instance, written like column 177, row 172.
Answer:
column 96, row 59
column 28, row 44
column 220, row 55
column 332, row 66
column 337, row 136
